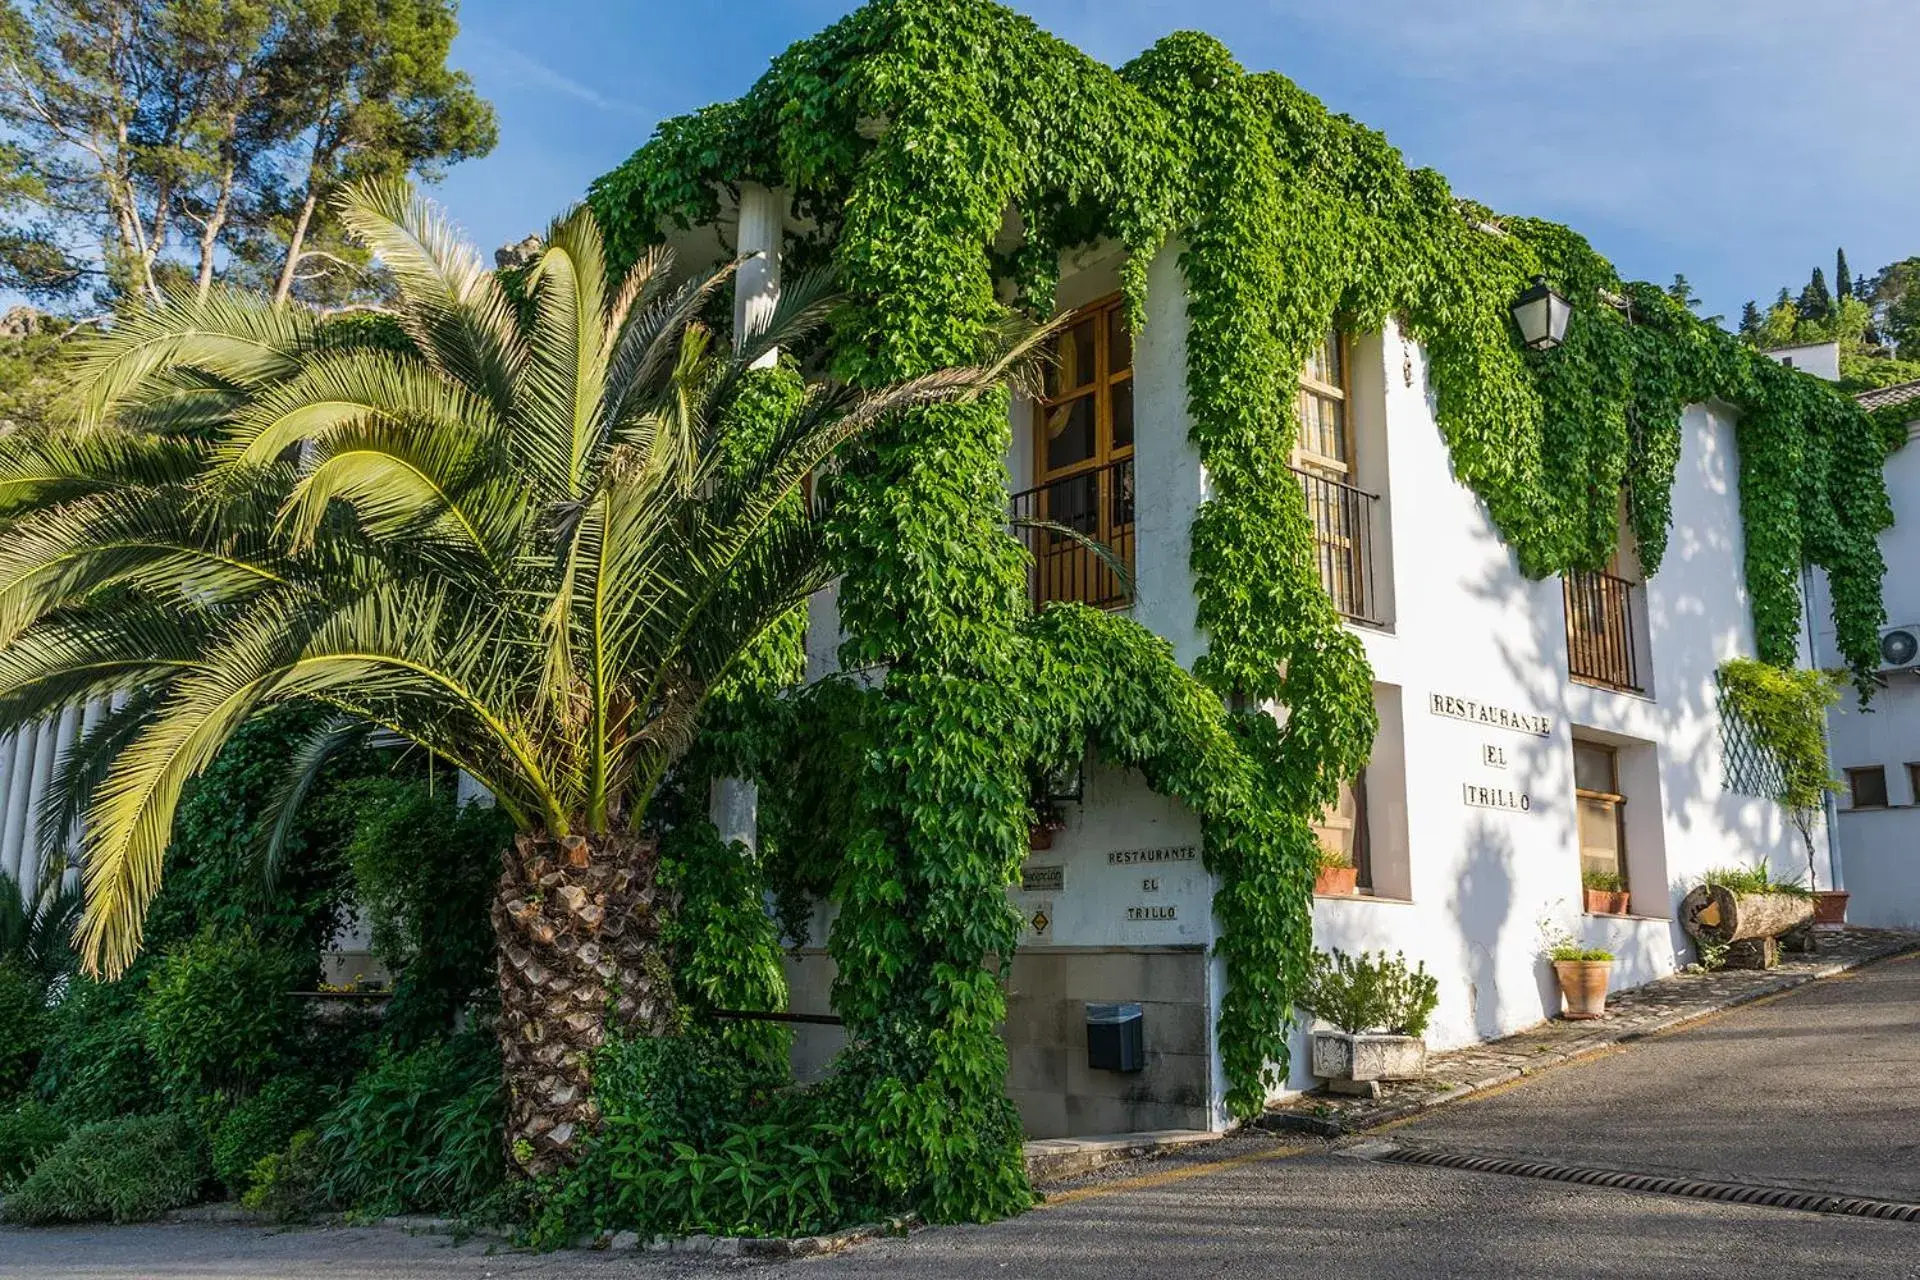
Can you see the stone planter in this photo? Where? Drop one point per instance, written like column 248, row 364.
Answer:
column 1357, row 1063
column 1830, row 906
column 1604, row 902
column 1336, row 882
column 1583, row 986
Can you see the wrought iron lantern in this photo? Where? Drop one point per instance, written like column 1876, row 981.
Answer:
column 1542, row 315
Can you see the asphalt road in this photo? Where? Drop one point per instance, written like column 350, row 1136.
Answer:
column 1819, row 1088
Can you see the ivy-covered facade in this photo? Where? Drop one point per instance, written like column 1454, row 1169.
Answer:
column 954, row 165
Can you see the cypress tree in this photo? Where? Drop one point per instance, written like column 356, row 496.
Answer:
column 1815, row 302
column 1750, row 321
column 1842, row 281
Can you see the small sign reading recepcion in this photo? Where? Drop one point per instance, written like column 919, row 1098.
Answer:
column 1048, row 878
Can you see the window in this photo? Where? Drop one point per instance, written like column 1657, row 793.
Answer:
column 1325, row 446
column 1343, row 830
column 1602, row 810
column 1868, row 787
column 1603, row 624
column 1083, row 447
column 1323, row 458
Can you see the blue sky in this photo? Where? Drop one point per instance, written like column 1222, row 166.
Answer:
column 1737, row 142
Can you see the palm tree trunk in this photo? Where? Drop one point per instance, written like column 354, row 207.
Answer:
column 577, row 925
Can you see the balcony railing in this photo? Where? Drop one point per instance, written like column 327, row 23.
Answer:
column 1097, row 504
column 1342, row 519
column 1600, row 631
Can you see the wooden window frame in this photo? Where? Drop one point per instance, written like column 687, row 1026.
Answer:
column 1614, row 799
column 1853, row 791
column 1100, row 389
column 1307, row 459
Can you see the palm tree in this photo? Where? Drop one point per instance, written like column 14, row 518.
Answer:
column 528, row 524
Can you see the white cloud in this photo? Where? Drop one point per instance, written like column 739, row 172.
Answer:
column 491, row 60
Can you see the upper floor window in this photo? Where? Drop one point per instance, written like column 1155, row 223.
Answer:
column 1323, row 459
column 1083, row 461
column 1085, row 415
column 1605, row 623
column 1325, row 445
column 1867, row 787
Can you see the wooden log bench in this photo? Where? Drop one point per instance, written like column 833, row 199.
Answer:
column 1751, row 926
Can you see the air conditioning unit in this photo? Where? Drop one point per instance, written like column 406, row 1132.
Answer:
column 1900, row 648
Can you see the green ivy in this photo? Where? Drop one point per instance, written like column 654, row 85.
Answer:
column 904, row 133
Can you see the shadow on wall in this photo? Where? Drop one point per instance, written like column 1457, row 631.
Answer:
column 1483, row 903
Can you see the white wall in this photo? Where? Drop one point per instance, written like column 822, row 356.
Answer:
column 1880, row 848
column 1821, row 359
column 1468, row 890
column 1468, row 624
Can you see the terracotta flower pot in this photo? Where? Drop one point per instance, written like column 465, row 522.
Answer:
column 1606, row 902
column 1583, row 985
column 1039, row 837
column 1336, row 882
column 1830, row 906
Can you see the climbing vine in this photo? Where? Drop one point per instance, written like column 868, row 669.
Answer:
column 941, row 154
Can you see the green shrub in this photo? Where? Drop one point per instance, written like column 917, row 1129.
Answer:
column 96, row 1065
column 425, row 868
column 23, row 1025
column 263, row 1125
column 118, row 1170
column 219, row 1016
column 286, row 1183
column 27, row 1132
column 418, row 1132
column 695, row 1140
column 1371, row 992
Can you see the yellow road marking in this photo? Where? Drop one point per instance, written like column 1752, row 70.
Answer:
column 1166, row 1176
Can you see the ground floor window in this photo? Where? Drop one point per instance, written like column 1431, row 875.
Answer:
column 1343, row 830
column 1602, row 809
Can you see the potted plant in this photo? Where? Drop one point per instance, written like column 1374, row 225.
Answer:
column 1336, row 877
column 1380, row 1009
column 1583, row 973
column 1045, row 821
column 1604, row 893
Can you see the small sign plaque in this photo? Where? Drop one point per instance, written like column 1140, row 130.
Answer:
column 1133, row 857
column 1442, row 704
column 1495, row 798
column 1136, row 914
column 1047, row 878
column 1039, row 923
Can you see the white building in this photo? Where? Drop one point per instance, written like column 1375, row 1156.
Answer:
column 1876, row 748
column 1528, row 728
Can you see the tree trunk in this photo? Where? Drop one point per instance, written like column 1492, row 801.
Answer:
column 1719, row 915
column 577, row 926
column 284, row 286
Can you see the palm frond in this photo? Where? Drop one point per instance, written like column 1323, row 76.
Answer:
column 309, row 759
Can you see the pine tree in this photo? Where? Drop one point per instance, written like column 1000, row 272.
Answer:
column 1681, row 291
column 1750, row 321
column 1842, row 281
column 1815, row 302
